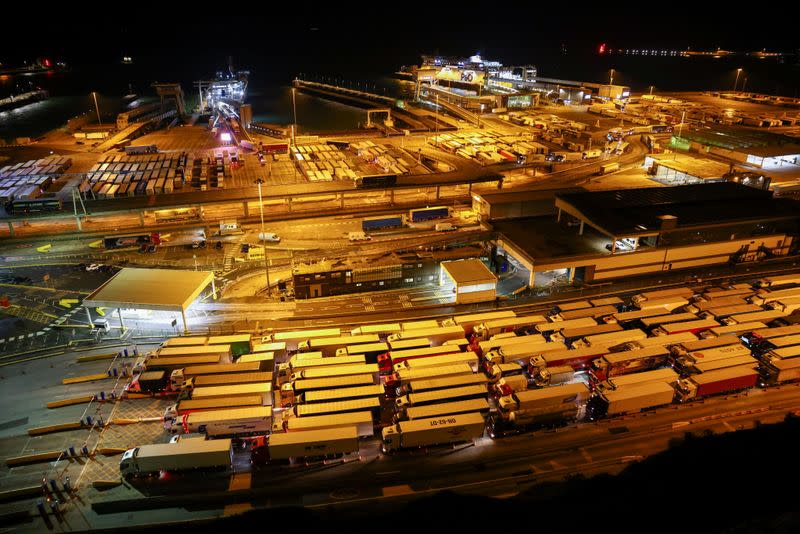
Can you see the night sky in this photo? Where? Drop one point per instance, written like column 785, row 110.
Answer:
column 385, row 32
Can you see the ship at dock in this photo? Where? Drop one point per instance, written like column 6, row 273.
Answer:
column 229, row 88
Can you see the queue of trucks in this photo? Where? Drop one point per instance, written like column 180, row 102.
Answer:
column 444, row 382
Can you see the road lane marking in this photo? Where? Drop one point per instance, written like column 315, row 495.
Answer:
column 239, row 481
column 395, row 491
column 586, row 455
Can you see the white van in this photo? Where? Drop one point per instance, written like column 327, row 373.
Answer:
column 358, row 236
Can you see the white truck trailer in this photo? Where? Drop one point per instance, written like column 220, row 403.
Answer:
column 631, row 399
column 433, row 431
column 313, row 443
column 185, row 455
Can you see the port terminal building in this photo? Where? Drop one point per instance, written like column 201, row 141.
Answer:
column 765, row 150
column 606, row 235
column 396, row 270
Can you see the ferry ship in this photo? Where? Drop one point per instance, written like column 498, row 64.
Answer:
column 229, row 86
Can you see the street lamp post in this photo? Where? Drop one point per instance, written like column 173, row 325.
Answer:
column 294, row 110
column 680, row 131
column 736, row 82
column 262, row 235
column 97, row 108
column 436, row 137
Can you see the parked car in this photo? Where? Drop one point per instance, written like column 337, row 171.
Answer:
column 445, row 227
column 269, row 237
column 358, row 236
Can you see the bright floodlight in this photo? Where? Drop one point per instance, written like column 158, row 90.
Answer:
column 225, row 136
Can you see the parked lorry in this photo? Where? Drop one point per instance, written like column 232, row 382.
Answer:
column 610, row 338
column 505, row 423
column 322, row 443
column 630, row 399
column 609, row 168
column 716, row 382
column 684, row 348
column 480, row 405
column 780, row 371
column 433, row 431
column 487, row 329
column 578, row 359
column 735, row 361
column 230, row 379
column 712, row 354
column 439, row 360
column 441, row 395
column 553, row 376
column 382, row 222
column 179, row 377
column 631, row 361
column 185, row 455
column 291, row 390
column 173, row 411
column 431, row 384
column 522, row 351
column 545, row 397
column 437, row 335
column 658, row 294
column 231, row 422
column 141, row 149
column 400, row 378
column 363, row 421
column 388, row 361
column 666, row 375
column 483, row 348
column 149, row 382
column 510, row 384
column 569, row 335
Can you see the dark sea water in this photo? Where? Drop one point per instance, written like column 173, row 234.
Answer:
column 270, row 95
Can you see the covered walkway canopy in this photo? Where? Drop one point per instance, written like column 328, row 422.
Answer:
column 151, row 289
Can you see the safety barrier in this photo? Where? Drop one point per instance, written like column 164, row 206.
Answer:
column 109, row 451
column 39, row 431
column 86, row 378
column 70, row 402
column 123, row 422
column 33, row 458
column 18, row 493
column 95, row 357
column 101, row 484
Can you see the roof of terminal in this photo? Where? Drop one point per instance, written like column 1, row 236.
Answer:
column 526, row 196
column 747, row 141
column 468, row 272
column 151, row 289
column 637, row 211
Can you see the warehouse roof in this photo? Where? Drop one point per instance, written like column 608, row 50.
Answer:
column 468, row 272
column 693, row 166
column 526, row 196
column 151, row 289
column 630, row 212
